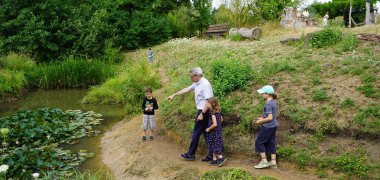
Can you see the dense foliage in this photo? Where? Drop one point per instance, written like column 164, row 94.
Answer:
column 51, row 29
column 31, row 145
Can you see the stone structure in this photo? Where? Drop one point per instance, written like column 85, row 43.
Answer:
column 291, row 18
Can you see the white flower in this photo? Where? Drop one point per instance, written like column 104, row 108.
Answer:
column 17, row 142
column 48, row 136
column 36, row 175
column 4, row 168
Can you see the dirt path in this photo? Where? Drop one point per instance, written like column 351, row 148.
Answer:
column 130, row 158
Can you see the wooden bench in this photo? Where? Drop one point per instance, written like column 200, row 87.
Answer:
column 217, row 30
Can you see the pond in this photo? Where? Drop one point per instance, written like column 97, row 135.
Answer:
column 70, row 99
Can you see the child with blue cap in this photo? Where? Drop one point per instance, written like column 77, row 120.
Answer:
column 266, row 140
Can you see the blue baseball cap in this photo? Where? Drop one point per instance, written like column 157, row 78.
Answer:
column 266, row 89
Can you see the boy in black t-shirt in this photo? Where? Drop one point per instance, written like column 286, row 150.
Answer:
column 149, row 105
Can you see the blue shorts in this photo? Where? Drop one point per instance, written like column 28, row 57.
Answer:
column 266, row 140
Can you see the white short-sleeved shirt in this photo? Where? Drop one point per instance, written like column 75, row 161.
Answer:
column 203, row 91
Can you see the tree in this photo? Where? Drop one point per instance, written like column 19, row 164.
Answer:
column 202, row 14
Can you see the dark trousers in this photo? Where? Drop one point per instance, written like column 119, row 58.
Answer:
column 199, row 128
column 266, row 140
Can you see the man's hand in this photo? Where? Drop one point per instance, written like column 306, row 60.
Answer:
column 171, row 97
column 200, row 117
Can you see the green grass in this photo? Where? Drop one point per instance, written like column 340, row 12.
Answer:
column 226, row 174
column 236, row 37
column 90, row 175
column 320, row 95
column 127, row 87
column 70, row 73
column 346, row 103
column 12, row 73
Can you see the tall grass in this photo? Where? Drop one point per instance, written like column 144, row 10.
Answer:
column 12, row 70
column 127, row 88
column 70, row 73
column 90, row 175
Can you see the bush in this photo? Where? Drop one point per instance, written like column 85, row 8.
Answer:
column 11, row 82
column 231, row 173
column 127, row 88
column 337, row 22
column 32, row 143
column 236, row 37
column 229, row 75
column 326, row 37
column 70, row 73
column 17, row 62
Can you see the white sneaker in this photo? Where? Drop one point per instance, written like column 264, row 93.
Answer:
column 262, row 165
column 271, row 165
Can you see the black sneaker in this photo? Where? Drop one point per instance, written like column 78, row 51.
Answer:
column 188, row 157
column 151, row 138
column 207, row 159
column 221, row 161
column 213, row 162
column 144, row 138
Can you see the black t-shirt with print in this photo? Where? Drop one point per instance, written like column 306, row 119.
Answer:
column 151, row 102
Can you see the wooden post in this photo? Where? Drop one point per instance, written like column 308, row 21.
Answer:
column 349, row 15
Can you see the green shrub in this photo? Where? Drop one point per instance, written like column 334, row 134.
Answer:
column 236, row 37
column 347, row 103
column 70, row 73
column 229, row 75
column 11, row 82
column 324, row 127
column 320, row 95
column 127, row 88
column 225, row 174
column 326, row 37
column 17, row 62
column 321, row 174
column 34, row 137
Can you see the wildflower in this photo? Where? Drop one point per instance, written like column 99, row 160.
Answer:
column 4, row 131
column 36, row 175
column 4, row 168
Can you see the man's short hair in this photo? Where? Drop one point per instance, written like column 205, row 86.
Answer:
column 196, row 71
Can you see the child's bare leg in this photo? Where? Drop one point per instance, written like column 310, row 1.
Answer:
column 273, row 157
column 214, row 156
column 263, row 157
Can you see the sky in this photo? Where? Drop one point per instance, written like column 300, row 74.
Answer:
column 216, row 3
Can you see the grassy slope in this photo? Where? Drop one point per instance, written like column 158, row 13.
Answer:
column 314, row 130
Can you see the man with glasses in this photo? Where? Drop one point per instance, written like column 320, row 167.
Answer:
column 203, row 91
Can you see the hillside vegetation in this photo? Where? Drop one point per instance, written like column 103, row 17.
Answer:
column 328, row 97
